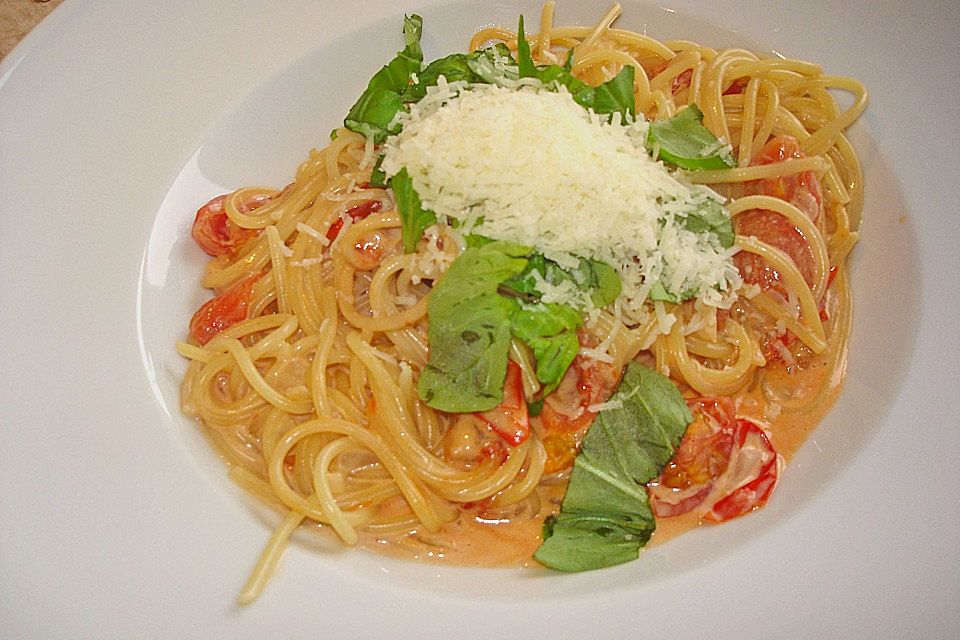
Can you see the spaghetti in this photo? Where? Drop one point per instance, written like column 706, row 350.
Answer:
column 304, row 368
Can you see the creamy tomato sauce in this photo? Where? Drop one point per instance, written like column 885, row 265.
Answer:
column 488, row 539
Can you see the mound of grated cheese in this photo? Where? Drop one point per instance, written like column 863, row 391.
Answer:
column 532, row 166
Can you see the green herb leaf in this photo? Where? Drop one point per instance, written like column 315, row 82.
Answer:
column 613, row 96
column 490, row 66
column 711, row 217
column 525, row 62
column 469, row 329
column 599, row 278
column 475, row 241
column 550, row 330
column 414, row 219
column 605, row 517
column 583, row 94
column 377, row 177
column 616, row 95
column 453, row 67
column 659, row 292
column 493, row 64
column 535, row 408
column 683, row 141
column 524, row 284
column 380, row 102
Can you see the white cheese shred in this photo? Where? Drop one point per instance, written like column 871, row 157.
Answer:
column 532, row 166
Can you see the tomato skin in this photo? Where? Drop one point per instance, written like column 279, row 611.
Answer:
column 584, row 384
column 712, row 458
column 680, row 82
column 774, row 229
column 357, row 212
column 216, row 234
column 800, row 189
column 565, row 416
column 701, row 459
column 737, row 86
column 755, row 493
column 226, row 310
column 510, row 419
column 803, row 191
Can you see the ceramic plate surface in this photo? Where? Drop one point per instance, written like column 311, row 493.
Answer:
column 117, row 119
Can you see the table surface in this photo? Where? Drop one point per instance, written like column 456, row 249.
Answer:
column 17, row 17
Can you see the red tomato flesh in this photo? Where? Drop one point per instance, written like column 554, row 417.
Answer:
column 226, row 310
column 720, row 455
column 701, row 458
column 216, row 234
column 357, row 212
column 775, row 230
column 799, row 189
column 510, row 419
column 753, row 449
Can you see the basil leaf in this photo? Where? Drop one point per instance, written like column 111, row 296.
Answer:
column 599, row 278
column 493, row 64
column 550, row 331
column 535, row 408
column 711, row 217
column 585, row 541
column 605, row 517
column 377, row 177
column 524, row 284
column 453, row 67
column 489, row 66
column 414, row 219
column 583, row 94
column 525, row 63
column 380, row 102
column 659, row 292
column 613, row 96
column 682, row 141
column 475, row 241
column 469, row 330
column 616, row 95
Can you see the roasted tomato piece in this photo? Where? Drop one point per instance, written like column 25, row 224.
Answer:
column 680, row 82
column 729, row 461
column 357, row 212
column 561, row 451
column 754, row 471
column 586, row 383
column 803, row 191
column 226, row 310
column 737, row 86
column 510, row 419
column 216, row 234
column 700, row 460
column 773, row 229
column 799, row 189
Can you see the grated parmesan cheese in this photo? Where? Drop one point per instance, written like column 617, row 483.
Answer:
column 604, row 406
column 306, row 262
column 306, row 229
column 347, row 223
column 532, row 166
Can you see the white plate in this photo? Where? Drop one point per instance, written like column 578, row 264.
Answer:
column 116, row 519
